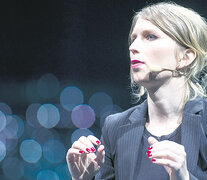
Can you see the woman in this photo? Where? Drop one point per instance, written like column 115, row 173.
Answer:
column 165, row 137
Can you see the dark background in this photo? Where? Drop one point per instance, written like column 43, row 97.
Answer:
column 82, row 42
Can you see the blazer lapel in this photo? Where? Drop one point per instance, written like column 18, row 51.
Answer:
column 129, row 139
column 190, row 138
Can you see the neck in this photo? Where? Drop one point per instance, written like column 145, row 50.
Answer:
column 165, row 106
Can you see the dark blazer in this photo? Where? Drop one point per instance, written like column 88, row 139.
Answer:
column 122, row 134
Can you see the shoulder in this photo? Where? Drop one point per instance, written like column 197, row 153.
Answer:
column 119, row 119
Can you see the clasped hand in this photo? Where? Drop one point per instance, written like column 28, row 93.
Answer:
column 83, row 159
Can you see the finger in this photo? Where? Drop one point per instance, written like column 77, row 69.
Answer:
column 167, row 155
column 152, row 140
column 166, row 162
column 94, row 140
column 80, row 146
column 87, row 143
column 100, row 156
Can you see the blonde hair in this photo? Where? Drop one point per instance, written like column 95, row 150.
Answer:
column 189, row 30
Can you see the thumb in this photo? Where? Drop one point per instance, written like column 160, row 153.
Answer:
column 152, row 140
column 100, row 155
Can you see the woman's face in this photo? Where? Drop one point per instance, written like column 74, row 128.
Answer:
column 150, row 46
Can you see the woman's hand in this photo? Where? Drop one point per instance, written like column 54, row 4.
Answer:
column 83, row 159
column 171, row 155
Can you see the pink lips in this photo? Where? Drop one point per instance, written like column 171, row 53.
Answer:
column 136, row 63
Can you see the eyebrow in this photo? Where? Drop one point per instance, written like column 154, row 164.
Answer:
column 133, row 35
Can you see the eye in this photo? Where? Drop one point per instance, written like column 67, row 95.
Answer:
column 150, row 37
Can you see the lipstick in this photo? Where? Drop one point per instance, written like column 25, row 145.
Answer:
column 136, row 63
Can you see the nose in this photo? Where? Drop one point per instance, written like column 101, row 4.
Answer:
column 133, row 48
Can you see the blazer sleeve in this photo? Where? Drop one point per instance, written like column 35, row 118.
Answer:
column 201, row 170
column 107, row 169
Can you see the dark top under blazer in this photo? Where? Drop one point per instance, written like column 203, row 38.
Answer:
column 122, row 134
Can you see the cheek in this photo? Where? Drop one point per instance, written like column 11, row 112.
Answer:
column 163, row 55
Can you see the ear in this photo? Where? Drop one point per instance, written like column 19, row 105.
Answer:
column 188, row 57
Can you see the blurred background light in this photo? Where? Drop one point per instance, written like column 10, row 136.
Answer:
column 98, row 101
column 80, row 132
column 2, row 121
column 30, row 151
column 63, row 172
column 70, row 97
column 2, row 151
column 5, row 108
column 47, row 175
column 14, row 127
column 54, row 151
column 12, row 168
column 48, row 115
column 48, row 86
column 31, row 115
column 83, row 116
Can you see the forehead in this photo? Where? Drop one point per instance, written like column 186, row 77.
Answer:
column 143, row 25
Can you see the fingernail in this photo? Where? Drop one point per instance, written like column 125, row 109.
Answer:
column 149, row 154
column 88, row 150
column 149, row 148
column 93, row 149
column 153, row 160
column 81, row 152
column 98, row 142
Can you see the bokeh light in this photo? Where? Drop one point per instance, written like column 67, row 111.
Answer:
column 98, row 101
column 14, row 127
column 70, row 97
column 2, row 121
column 83, row 116
column 48, row 115
column 30, row 151
column 47, row 175
column 5, row 108
column 48, row 86
column 63, row 172
column 2, row 151
column 31, row 115
column 12, row 168
column 54, row 151
column 80, row 132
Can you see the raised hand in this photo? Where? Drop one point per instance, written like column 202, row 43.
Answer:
column 83, row 159
column 171, row 155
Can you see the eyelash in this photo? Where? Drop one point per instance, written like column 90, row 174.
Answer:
column 150, row 37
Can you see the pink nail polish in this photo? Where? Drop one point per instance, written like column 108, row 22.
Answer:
column 153, row 160
column 149, row 148
column 88, row 150
column 81, row 152
column 148, row 152
column 93, row 149
column 98, row 142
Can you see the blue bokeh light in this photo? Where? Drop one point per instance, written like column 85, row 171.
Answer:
column 12, row 168
column 98, row 101
column 30, row 151
column 80, row 132
column 63, row 172
column 2, row 121
column 54, row 151
column 83, row 116
column 31, row 115
column 2, row 151
column 5, row 108
column 47, row 175
column 48, row 115
column 70, row 97
column 48, row 86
